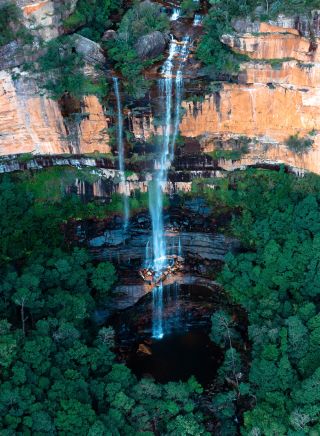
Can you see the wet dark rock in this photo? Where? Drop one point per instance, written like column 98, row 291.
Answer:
column 151, row 45
column 143, row 348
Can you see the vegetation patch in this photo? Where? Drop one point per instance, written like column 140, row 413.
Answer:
column 141, row 19
column 63, row 68
column 92, row 17
column 299, row 145
column 276, row 280
column 11, row 27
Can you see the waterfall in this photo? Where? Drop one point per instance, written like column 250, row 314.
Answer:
column 179, row 248
column 160, row 172
column 176, row 12
column 121, row 154
column 184, row 52
column 148, row 255
column 197, row 20
column 161, row 166
column 157, row 308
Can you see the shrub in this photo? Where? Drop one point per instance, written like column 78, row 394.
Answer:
column 63, row 67
column 94, row 15
column 299, row 145
column 11, row 27
column 140, row 20
column 189, row 7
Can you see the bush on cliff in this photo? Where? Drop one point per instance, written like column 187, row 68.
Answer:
column 299, row 145
column 11, row 27
column 142, row 19
column 92, row 16
column 62, row 67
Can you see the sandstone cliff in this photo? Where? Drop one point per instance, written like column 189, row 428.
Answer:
column 31, row 122
column 271, row 101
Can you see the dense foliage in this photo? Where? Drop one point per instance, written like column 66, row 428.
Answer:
column 141, row 19
column 92, row 17
column 11, row 27
column 62, row 66
column 276, row 279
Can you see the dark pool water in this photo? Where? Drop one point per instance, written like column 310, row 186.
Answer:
column 177, row 357
column 185, row 349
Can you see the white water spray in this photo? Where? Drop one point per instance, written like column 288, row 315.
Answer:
column 160, row 174
column 197, row 20
column 157, row 309
column 179, row 248
column 176, row 12
column 121, row 154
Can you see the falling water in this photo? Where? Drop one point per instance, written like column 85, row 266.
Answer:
column 121, row 154
column 161, row 166
column 157, row 308
column 176, row 12
column 148, row 255
column 179, row 248
column 160, row 173
column 184, row 52
column 197, row 20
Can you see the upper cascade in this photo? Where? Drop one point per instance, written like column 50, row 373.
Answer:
column 197, row 20
column 176, row 12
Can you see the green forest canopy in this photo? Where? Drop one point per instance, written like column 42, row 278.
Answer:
column 58, row 369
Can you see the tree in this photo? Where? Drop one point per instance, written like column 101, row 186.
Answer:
column 103, row 277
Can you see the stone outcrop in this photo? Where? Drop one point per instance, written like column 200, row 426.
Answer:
column 33, row 123
column 29, row 122
column 273, row 42
column 40, row 17
column 151, row 45
column 90, row 50
column 44, row 17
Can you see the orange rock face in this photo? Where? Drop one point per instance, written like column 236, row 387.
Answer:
column 94, row 128
column 275, row 43
column 33, row 7
column 30, row 122
column 268, row 104
column 255, row 110
column 269, row 108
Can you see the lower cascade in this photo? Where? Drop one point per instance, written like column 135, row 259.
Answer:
column 178, row 52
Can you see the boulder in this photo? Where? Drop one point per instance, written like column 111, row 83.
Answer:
column 90, row 50
column 109, row 35
column 151, row 45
